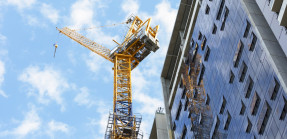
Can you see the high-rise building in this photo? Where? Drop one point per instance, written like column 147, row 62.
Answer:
column 225, row 72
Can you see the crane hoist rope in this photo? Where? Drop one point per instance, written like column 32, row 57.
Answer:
column 139, row 41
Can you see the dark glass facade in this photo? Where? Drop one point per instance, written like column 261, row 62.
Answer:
column 245, row 96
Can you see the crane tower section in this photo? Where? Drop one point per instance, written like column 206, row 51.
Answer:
column 140, row 40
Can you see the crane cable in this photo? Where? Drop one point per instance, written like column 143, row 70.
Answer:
column 111, row 25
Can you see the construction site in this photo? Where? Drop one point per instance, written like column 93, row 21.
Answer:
column 105, row 69
column 220, row 78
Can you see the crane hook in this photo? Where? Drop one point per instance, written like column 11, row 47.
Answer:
column 56, row 46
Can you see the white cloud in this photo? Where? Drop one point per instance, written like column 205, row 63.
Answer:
column 72, row 57
column 94, row 62
column 140, row 82
column 2, row 93
column 54, row 126
column 102, row 38
column 32, row 20
column 165, row 16
column 101, row 67
column 101, row 122
column 130, row 7
column 21, row 4
column 84, row 98
column 49, row 12
column 82, row 13
column 48, row 82
column 33, row 125
column 2, row 72
column 30, row 124
column 2, row 39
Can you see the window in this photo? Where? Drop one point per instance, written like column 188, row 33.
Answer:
column 246, row 29
column 243, row 108
column 216, row 126
column 195, row 93
column 191, row 127
column 207, row 100
column 199, row 79
column 173, row 126
column 222, row 105
column 207, row 9
column 220, row 10
column 200, row 118
column 189, row 70
column 238, row 54
column 181, row 84
column 199, row 36
column 191, row 43
column 283, row 114
column 243, row 72
column 253, row 42
column 186, row 104
column 183, row 132
column 228, row 120
column 183, row 93
column 207, row 53
column 267, row 110
column 231, row 77
column 276, row 90
column 226, row 12
column 255, row 104
column 178, row 111
column 203, row 43
column 249, row 88
column 186, row 61
column 194, row 53
column 268, row 2
column 249, row 126
column 214, row 29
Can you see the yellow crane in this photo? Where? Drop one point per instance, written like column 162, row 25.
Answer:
column 140, row 40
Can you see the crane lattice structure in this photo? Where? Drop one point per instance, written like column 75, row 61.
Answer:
column 140, row 40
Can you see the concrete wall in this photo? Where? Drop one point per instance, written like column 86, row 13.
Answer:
column 159, row 128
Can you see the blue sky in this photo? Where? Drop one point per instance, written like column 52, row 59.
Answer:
column 70, row 96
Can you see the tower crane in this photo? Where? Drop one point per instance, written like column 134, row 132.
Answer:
column 139, row 41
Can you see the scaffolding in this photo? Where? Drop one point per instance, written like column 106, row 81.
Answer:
column 126, row 132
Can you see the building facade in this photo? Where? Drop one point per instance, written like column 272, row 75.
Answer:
column 225, row 71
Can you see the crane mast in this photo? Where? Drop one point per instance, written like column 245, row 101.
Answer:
column 137, row 45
